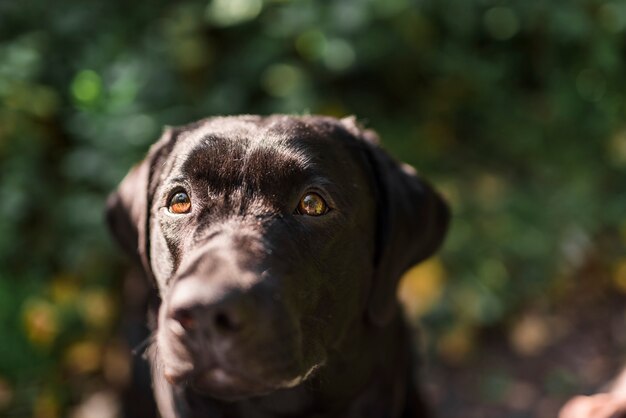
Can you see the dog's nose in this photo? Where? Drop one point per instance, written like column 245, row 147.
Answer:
column 221, row 319
column 199, row 307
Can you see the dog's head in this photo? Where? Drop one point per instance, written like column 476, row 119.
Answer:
column 268, row 239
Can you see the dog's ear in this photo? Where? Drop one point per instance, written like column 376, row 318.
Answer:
column 127, row 207
column 412, row 220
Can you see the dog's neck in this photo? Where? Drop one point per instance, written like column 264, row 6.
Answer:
column 367, row 376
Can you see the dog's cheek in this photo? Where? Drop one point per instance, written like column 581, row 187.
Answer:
column 326, row 311
column 351, row 288
column 160, row 256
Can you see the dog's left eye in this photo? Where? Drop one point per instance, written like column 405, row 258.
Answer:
column 312, row 204
column 179, row 203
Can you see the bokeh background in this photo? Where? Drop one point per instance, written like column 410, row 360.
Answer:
column 516, row 110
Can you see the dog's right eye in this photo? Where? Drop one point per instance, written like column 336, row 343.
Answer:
column 179, row 203
column 312, row 204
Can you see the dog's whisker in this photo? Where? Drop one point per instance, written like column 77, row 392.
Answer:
column 141, row 348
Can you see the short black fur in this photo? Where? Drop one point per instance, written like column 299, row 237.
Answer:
column 266, row 312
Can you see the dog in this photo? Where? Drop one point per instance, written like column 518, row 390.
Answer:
column 276, row 245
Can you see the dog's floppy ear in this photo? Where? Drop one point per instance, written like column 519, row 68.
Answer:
column 127, row 208
column 412, row 220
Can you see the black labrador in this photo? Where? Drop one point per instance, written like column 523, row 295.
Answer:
column 276, row 244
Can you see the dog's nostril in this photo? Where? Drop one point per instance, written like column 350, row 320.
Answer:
column 226, row 323
column 185, row 317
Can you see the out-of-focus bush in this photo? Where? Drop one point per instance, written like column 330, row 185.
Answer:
column 515, row 109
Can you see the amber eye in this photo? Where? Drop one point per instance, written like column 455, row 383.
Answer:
column 312, row 204
column 179, row 203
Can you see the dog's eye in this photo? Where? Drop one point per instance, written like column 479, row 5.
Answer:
column 179, row 203
column 312, row 204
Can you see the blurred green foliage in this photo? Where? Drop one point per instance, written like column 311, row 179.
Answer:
column 515, row 109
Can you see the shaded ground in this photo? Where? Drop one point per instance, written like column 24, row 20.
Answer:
column 531, row 367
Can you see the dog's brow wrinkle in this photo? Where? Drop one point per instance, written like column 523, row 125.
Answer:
column 178, row 179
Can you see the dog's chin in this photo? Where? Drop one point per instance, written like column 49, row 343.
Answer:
column 227, row 385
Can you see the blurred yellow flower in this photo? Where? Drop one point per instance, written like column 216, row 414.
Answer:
column 83, row 357
column 457, row 344
column 616, row 148
column 531, row 334
column 97, row 308
column 40, row 322
column 421, row 287
column 619, row 275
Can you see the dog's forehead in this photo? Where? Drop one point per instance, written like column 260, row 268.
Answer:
column 228, row 148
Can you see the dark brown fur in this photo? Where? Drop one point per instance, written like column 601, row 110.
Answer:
column 286, row 315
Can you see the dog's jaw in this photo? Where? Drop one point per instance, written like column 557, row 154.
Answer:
column 353, row 391
column 288, row 384
column 233, row 373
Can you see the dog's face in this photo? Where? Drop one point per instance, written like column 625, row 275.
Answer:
column 268, row 239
